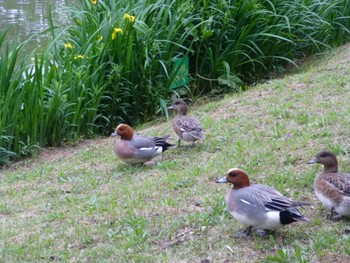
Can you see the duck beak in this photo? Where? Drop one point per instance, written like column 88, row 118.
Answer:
column 315, row 160
column 114, row 134
column 171, row 107
column 222, row 180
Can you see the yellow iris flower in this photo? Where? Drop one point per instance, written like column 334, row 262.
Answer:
column 129, row 17
column 94, row 2
column 115, row 32
column 68, row 46
column 79, row 56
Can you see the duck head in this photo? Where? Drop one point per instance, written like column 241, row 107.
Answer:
column 179, row 106
column 124, row 131
column 328, row 160
column 237, row 177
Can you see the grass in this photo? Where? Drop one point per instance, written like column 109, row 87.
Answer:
column 82, row 204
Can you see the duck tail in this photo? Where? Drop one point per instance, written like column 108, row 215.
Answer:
column 198, row 135
column 162, row 142
column 292, row 215
column 301, row 204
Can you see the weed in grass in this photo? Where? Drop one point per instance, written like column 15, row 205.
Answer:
column 214, row 212
column 185, row 183
column 288, row 255
column 302, row 118
column 338, row 149
column 133, row 229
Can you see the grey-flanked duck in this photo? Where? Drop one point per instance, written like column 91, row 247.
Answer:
column 138, row 149
column 258, row 206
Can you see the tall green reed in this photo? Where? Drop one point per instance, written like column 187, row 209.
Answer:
column 11, row 99
column 135, row 47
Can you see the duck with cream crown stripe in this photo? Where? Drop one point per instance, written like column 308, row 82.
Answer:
column 331, row 187
column 258, row 206
column 138, row 149
column 186, row 128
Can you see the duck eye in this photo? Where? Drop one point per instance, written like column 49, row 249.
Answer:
column 232, row 174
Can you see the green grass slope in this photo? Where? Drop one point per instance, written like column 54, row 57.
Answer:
column 80, row 204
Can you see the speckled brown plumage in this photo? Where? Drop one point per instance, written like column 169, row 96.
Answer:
column 331, row 187
column 187, row 128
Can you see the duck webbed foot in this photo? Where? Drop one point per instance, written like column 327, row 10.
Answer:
column 261, row 233
column 245, row 233
column 334, row 216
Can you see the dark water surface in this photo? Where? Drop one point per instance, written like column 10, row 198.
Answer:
column 28, row 18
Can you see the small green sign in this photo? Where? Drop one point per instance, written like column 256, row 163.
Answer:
column 181, row 67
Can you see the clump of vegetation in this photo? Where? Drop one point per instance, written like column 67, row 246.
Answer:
column 116, row 61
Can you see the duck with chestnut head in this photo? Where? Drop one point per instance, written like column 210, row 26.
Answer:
column 138, row 149
column 258, row 206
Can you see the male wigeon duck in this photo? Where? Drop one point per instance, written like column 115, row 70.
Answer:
column 331, row 187
column 257, row 205
column 187, row 128
column 138, row 149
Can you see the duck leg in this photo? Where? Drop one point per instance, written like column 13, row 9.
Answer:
column 334, row 216
column 245, row 233
column 178, row 142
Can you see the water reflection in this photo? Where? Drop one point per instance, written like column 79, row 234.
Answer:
column 28, row 17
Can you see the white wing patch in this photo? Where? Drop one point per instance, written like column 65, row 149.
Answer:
column 146, row 148
column 246, row 202
column 158, row 150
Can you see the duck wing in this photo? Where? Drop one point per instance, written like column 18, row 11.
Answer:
column 340, row 181
column 273, row 200
column 189, row 123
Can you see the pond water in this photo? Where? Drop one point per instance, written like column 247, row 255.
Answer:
column 26, row 18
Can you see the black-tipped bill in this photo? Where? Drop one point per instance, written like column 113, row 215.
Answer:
column 222, row 180
column 312, row 161
column 114, row 134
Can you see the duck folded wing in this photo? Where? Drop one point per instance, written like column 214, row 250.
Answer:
column 271, row 199
column 141, row 141
column 278, row 204
column 189, row 124
column 160, row 141
column 146, row 147
column 284, row 204
column 192, row 126
column 340, row 181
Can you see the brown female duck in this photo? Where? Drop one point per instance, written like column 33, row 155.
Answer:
column 331, row 187
column 187, row 128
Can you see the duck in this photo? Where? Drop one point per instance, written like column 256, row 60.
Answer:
column 137, row 149
column 332, row 188
column 186, row 128
column 258, row 206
